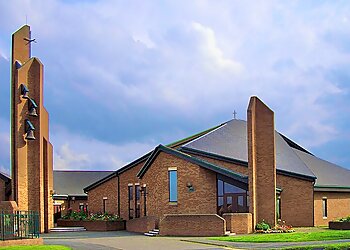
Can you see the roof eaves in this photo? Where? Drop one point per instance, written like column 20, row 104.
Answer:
column 242, row 163
column 200, row 162
column 294, row 144
column 213, row 156
column 99, row 182
column 296, row 175
column 117, row 172
column 332, row 186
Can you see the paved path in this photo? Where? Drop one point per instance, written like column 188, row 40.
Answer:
column 121, row 240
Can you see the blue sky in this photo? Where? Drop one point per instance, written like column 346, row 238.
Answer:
column 123, row 76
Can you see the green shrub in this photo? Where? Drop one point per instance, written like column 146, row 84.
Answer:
column 345, row 219
column 83, row 215
column 262, row 226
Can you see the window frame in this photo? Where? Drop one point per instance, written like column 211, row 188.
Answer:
column 324, row 207
column 170, row 171
column 130, row 199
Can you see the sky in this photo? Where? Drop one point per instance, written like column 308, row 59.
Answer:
column 122, row 77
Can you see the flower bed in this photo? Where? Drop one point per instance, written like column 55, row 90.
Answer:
column 281, row 227
column 340, row 224
column 92, row 222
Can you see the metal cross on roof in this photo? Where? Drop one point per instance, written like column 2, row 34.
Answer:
column 234, row 114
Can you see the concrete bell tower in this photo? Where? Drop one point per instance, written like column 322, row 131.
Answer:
column 31, row 150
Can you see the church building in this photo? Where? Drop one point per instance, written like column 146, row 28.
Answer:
column 227, row 178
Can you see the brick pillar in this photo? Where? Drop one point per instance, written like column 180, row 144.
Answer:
column 31, row 160
column 261, row 162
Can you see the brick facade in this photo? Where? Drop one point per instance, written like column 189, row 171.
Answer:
column 142, row 224
column 261, row 162
column 32, row 161
column 239, row 223
column 192, row 225
column 201, row 201
column 338, row 206
column 2, row 190
column 109, row 190
column 296, row 201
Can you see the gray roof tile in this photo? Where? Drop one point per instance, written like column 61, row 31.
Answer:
column 230, row 140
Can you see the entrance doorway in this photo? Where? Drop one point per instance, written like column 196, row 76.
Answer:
column 56, row 212
column 235, row 203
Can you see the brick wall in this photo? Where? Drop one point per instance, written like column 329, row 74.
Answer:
column 296, row 198
column 296, row 201
column 2, row 190
column 142, row 224
column 31, row 160
column 239, row 223
column 8, row 206
column 261, row 161
column 192, row 225
column 338, row 205
column 108, row 189
column 201, row 201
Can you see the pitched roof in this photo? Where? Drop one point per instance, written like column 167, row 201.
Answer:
column 329, row 175
column 230, row 141
column 68, row 182
column 194, row 160
column 132, row 164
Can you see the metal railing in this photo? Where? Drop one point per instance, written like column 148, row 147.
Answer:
column 19, row 225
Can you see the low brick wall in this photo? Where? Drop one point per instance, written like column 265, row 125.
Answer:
column 8, row 206
column 23, row 242
column 192, row 225
column 93, row 225
column 239, row 223
column 339, row 225
column 142, row 224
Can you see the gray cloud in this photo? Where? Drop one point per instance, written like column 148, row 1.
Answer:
column 127, row 73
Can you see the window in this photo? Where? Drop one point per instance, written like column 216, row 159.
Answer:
column 324, row 208
column 173, row 185
column 144, row 200
column 232, row 197
column 130, row 199
column 137, row 201
column 278, row 207
column 104, row 200
column 81, row 207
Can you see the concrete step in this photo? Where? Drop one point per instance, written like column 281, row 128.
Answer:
column 67, row 229
column 228, row 233
column 153, row 232
column 150, row 234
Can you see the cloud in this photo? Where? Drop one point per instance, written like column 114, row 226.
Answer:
column 4, row 146
column 72, row 151
column 117, row 82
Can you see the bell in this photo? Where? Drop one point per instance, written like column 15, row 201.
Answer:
column 18, row 64
column 32, row 112
column 25, row 95
column 30, row 135
column 24, row 91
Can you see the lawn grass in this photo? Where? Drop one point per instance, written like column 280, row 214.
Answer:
column 337, row 246
column 289, row 237
column 40, row 247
